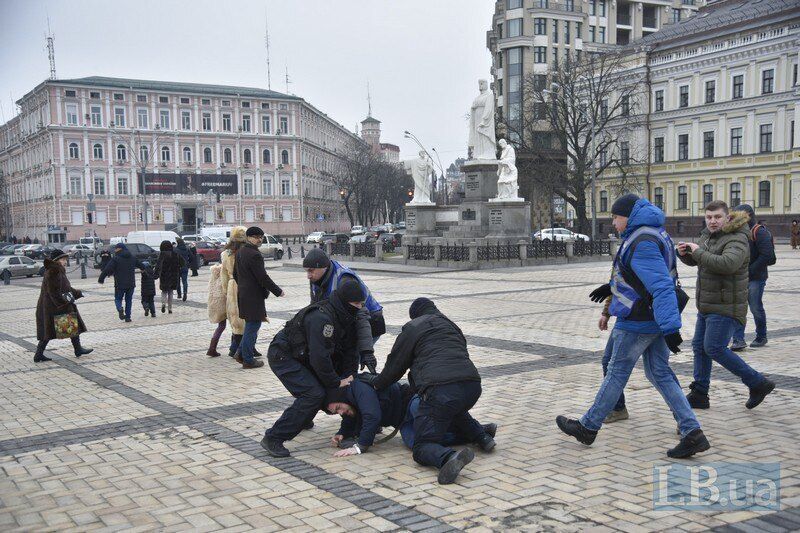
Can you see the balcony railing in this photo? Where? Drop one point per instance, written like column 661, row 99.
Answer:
column 569, row 7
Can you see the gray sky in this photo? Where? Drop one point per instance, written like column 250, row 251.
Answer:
column 422, row 58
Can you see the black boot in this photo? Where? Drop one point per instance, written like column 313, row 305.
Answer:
column 39, row 356
column 490, row 429
column 452, row 467
column 274, row 447
column 575, row 429
column 486, row 443
column 121, row 314
column 759, row 392
column 80, row 350
column 697, row 399
column 256, row 353
column 694, row 442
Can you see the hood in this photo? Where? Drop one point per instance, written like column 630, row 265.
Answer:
column 422, row 306
column 124, row 253
column 120, row 246
column 738, row 222
column 746, row 208
column 644, row 214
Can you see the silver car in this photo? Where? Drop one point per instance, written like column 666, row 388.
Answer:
column 19, row 266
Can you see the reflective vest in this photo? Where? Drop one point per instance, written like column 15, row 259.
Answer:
column 627, row 302
column 335, row 278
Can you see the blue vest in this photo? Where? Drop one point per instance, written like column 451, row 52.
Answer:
column 626, row 301
column 337, row 271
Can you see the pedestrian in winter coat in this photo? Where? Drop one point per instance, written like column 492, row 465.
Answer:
column 193, row 264
column 148, row 288
column 762, row 254
column 123, row 267
column 722, row 258
column 56, row 297
column 795, row 234
column 168, row 272
column 183, row 251
column 227, row 306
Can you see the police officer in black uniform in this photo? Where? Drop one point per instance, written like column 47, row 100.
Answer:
column 316, row 350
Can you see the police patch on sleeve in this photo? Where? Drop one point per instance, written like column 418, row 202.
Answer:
column 327, row 331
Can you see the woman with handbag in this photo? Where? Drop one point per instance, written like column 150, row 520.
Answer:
column 168, row 273
column 57, row 315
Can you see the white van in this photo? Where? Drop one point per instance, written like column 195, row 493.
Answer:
column 152, row 238
column 219, row 233
column 115, row 240
column 93, row 242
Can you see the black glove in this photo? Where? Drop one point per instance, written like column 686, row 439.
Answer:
column 368, row 360
column 369, row 379
column 600, row 293
column 673, row 341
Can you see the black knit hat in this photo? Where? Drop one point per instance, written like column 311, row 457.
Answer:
column 254, row 231
column 623, row 206
column 338, row 395
column 350, row 291
column 418, row 307
column 316, row 258
column 57, row 254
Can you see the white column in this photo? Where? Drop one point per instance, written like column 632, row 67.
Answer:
column 722, row 91
column 750, row 133
column 112, row 156
column 257, row 160
column 219, row 155
column 198, row 157
column 752, row 82
column 779, row 140
column 62, row 166
column 695, row 140
column 796, row 130
column 86, row 159
column 176, row 156
column 59, row 105
column 722, row 140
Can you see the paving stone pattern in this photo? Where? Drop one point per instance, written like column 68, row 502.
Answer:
column 148, row 433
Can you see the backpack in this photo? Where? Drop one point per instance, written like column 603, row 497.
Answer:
column 772, row 259
column 296, row 332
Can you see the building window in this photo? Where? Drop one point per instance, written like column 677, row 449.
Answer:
column 141, row 98
column 658, row 197
column 765, row 138
column 708, row 194
column 267, row 185
column 144, row 154
column 514, row 27
column 603, row 201
column 226, row 122
column 165, row 154
column 265, row 124
column 70, row 93
column 593, row 34
column 187, row 154
column 767, row 81
column 122, row 153
column 736, row 141
column 736, row 194
column 97, row 151
column 248, row 157
column 266, row 157
column 207, row 155
column 579, row 30
column 738, row 87
column 95, row 95
column 763, row 194
column 248, row 186
column 625, row 152
column 604, row 109
column 141, row 117
column 227, row 156
column 539, row 80
column 603, row 156
column 540, row 54
column 601, row 33
column 683, row 100
column 286, row 187
column 100, row 185
column 555, row 58
column 264, row 105
column 625, row 105
column 794, row 75
column 285, row 157
column 186, row 120
column 206, row 122
column 72, row 115
column 708, row 144
column 683, row 197
column 284, row 123
column 513, row 4
column 567, row 36
column 683, row 147
column 539, row 26
column 75, row 185
column 163, row 99
column 658, row 149
column 659, row 100
column 119, row 117
column 226, row 103
column 205, row 101
column 246, row 104
column 164, row 119
column 74, row 151
column 676, row 15
column 711, row 91
column 97, row 116
column 122, row 186
column 246, row 123
column 555, row 31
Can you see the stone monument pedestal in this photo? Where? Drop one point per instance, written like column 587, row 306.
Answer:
column 420, row 221
column 509, row 219
column 480, row 181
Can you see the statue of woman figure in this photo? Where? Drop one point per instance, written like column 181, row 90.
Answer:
column 507, row 185
column 421, row 173
column 481, row 124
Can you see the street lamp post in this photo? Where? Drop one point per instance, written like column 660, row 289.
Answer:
column 409, row 135
column 138, row 160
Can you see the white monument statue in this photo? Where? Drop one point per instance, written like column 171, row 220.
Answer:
column 507, row 186
column 481, row 124
column 421, row 169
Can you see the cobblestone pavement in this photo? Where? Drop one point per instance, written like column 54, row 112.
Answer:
column 149, row 433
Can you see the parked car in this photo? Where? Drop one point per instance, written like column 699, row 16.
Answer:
column 193, row 238
column 151, row 238
column 31, row 249
column 11, row 249
column 315, row 237
column 94, row 242
column 24, row 247
column 335, row 238
column 207, row 252
column 558, row 234
column 74, row 249
column 401, row 225
column 140, row 251
column 357, row 230
column 270, row 247
column 40, row 253
column 7, row 248
column 20, row 266
column 364, row 237
column 395, row 238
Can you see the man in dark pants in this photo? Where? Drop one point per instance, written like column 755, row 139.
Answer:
column 435, row 350
column 123, row 267
column 315, row 350
column 254, row 286
column 762, row 254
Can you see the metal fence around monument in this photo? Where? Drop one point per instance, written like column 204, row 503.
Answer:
column 340, row 248
column 364, row 249
column 421, row 252
column 388, row 246
column 546, row 249
column 498, row 252
column 582, row 248
column 455, row 253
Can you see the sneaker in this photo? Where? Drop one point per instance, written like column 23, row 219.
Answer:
column 738, row 346
column 758, row 343
column 575, row 429
column 697, row 399
column 146, row 312
column 486, row 443
column 275, row 447
column 454, row 464
column 254, row 364
column 759, row 392
column 616, row 416
column 490, row 429
column 694, row 442
column 163, row 309
column 121, row 314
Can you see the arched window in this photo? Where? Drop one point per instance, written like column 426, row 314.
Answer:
column 285, row 157
column 266, row 157
column 165, row 154
column 764, row 194
column 227, row 156
column 97, row 151
column 248, row 158
column 207, row 155
column 122, row 153
column 144, row 153
column 187, row 154
column 74, row 151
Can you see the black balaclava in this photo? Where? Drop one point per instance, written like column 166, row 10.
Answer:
column 349, row 291
column 421, row 306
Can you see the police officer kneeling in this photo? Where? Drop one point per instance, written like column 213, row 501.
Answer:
column 435, row 350
column 315, row 350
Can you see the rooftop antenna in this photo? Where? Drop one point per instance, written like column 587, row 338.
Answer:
column 287, row 79
column 369, row 102
column 266, row 42
column 51, row 51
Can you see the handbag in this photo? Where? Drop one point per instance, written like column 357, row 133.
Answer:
column 66, row 325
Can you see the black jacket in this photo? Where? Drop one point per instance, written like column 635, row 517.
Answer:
column 168, row 270
column 183, row 251
column 148, row 282
column 762, row 252
column 254, row 284
column 374, row 410
column 123, row 267
column 435, row 350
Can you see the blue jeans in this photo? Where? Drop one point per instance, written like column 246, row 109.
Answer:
column 606, row 358
column 184, row 281
column 451, row 438
column 755, row 295
column 249, row 337
column 119, row 294
column 712, row 334
column 627, row 347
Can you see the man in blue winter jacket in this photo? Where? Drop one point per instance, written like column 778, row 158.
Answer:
column 643, row 291
column 123, row 267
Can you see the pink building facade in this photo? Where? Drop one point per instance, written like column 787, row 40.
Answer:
column 70, row 162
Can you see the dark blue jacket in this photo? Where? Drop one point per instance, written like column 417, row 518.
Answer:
column 123, row 267
column 183, row 251
column 648, row 264
column 374, row 410
column 762, row 251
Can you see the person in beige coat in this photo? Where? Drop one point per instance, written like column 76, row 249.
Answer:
column 222, row 304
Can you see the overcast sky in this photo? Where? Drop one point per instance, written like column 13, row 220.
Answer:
column 422, row 58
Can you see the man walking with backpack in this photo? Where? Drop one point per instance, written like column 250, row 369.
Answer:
column 762, row 255
column 645, row 300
